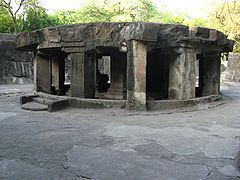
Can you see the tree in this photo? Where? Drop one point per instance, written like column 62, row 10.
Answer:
column 35, row 17
column 196, row 22
column 225, row 17
column 67, row 16
column 119, row 11
column 6, row 25
column 110, row 11
column 24, row 15
column 9, row 6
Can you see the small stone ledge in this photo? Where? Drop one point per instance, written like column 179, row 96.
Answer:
column 50, row 96
column 97, row 103
column 56, row 103
column 175, row 104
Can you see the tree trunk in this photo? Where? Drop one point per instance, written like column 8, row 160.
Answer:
column 15, row 25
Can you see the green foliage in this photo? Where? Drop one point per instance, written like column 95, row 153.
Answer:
column 35, row 17
column 6, row 25
column 196, row 22
column 13, row 8
column 119, row 11
column 225, row 17
column 169, row 17
column 110, row 11
column 237, row 44
column 67, row 17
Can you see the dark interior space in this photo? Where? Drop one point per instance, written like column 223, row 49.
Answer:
column 111, row 73
column 199, row 72
column 57, row 70
column 157, row 74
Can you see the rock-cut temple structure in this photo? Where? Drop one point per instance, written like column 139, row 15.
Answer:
column 133, row 65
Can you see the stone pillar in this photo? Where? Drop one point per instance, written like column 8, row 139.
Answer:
column 83, row 72
column 136, row 76
column 42, row 73
column 182, row 75
column 58, row 72
column 210, row 72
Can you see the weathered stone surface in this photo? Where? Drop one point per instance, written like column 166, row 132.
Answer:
column 213, row 148
column 82, row 75
column 137, row 70
column 42, row 73
column 15, row 66
column 33, row 106
column 211, row 63
column 112, row 34
column 116, row 144
column 229, row 171
column 182, row 77
column 127, row 163
column 18, row 169
column 7, row 37
column 233, row 68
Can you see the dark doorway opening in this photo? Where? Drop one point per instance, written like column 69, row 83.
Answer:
column 157, row 74
column 111, row 73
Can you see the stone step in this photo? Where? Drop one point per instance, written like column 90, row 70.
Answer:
column 50, row 96
column 42, row 100
column 39, row 103
column 34, row 106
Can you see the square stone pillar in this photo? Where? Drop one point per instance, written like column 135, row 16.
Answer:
column 83, row 79
column 210, row 73
column 182, row 75
column 58, row 72
column 42, row 73
column 136, row 76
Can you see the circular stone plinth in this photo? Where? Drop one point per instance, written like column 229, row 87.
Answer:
column 33, row 106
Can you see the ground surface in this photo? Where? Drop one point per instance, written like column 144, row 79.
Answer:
column 115, row 144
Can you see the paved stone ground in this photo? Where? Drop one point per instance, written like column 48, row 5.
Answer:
column 115, row 144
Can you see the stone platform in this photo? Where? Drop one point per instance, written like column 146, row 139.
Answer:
column 46, row 102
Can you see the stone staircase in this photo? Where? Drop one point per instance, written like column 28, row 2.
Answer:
column 43, row 102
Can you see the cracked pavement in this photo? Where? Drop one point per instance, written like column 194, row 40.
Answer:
column 203, row 143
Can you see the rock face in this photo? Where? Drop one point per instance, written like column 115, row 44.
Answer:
column 148, row 61
column 233, row 68
column 15, row 66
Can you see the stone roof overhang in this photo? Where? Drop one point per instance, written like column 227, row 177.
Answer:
column 88, row 36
